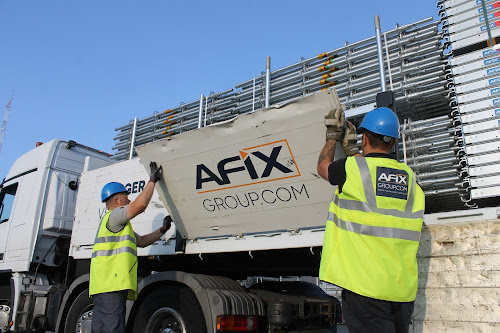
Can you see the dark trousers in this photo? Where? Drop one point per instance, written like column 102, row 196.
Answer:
column 109, row 312
column 368, row 315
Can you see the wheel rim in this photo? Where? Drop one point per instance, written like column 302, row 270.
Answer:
column 84, row 323
column 166, row 320
column 4, row 318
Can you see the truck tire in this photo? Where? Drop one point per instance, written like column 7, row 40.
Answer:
column 79, row 318
column 171, row 308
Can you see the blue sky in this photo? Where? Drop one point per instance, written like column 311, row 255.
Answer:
column 80, row 69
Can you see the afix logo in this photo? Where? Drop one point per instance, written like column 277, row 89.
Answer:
column 492, row 71
column 496, row 101
column 489, row 52
column 401, row 179
column 489, row 7
column 495, row 91
column 264, row 163
column 497, row 112
column 490, row 17
column 493, row 25
column 484, row 27
column 494, row 81
column 491, row 61
column 392, row 183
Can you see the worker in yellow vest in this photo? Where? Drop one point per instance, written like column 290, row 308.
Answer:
column 373, row 225
column 113, row 268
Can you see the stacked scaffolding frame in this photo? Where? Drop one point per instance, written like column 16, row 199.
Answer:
column 473, row 72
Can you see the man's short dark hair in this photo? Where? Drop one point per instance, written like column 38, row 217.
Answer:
column 377, row 141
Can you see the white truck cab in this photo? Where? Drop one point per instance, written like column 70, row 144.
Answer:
column 38, row 200
column 37, row 207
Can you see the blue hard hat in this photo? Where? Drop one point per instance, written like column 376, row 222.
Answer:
column 112, row 188
column 381, row 121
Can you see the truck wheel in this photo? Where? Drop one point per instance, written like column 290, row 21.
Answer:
column 5, row 308
column 5, row 312
column 170, row 309
column 79, row 318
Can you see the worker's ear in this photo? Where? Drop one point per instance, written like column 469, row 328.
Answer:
column 393, row 142
column 111, row 201
column 364, row 141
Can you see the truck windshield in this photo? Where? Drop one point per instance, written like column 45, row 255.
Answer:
column 6, row 201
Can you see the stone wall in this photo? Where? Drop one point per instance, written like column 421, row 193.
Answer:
column 459, row 278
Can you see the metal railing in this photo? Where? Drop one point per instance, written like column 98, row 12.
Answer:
column 413, row 54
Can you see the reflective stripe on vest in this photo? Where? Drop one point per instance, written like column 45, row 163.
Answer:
column 370, row 246
column 369, row 230
column 108, row 253
column 114, row 239
column 114, row 260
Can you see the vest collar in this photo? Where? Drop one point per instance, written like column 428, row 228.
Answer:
column 381, row 155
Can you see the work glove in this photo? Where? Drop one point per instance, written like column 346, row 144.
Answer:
column 334, row 122
column 155, row 172
column 167, row 222
column 350, row 140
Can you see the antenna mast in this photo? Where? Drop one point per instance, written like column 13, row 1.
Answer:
column 4, row 124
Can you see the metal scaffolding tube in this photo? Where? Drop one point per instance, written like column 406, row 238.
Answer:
column 436, row 174
column 132, row 141
column 341, row 49
column 268, row 81
column 438, row 181
column 380, row 54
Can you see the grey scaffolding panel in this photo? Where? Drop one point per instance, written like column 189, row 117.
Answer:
column 474, row 85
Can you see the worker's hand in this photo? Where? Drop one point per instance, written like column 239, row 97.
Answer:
column 334, row 122
column 350, row 140
column 167, row 222
column 155, row 172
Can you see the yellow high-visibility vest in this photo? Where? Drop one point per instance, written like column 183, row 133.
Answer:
column 373, row 230
column 114, row 261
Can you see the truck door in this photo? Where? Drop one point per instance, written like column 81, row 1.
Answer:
column 7, row 195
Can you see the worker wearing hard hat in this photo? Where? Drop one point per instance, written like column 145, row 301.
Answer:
column 113, row 268
column 373, row 225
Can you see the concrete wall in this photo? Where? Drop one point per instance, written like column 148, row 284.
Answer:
column 459, row 278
